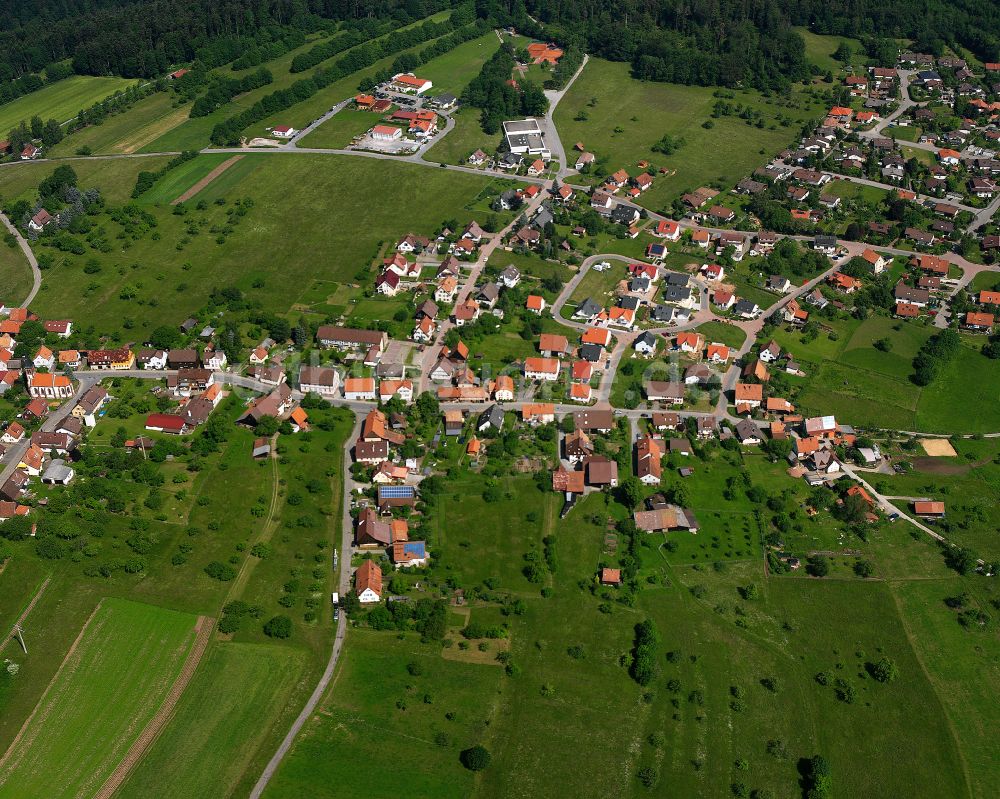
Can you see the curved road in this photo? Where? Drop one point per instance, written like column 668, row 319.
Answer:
column 36, row 274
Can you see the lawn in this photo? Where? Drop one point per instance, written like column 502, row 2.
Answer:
column 987, row 281
column 598, row 286
column 900, row 133
column 220, row 723
column 730, row 335
column 850, row 190
column 820, row 50
column 60, row 100
column 182, row 264
column 454, row 70
column 463, row 140
column 338, row 130
column 626, row 117
column 102, row 698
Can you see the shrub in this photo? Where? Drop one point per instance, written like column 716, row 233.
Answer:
column 475, row 758
column 278, row 627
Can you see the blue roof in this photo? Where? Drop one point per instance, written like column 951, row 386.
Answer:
column 396, row 492
column 414, row 549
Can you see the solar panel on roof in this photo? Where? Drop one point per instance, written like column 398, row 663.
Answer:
column 395, row 492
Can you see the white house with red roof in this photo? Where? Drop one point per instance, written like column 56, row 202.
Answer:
column 283, row 131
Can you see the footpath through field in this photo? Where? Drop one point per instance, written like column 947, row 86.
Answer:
column 201, row 184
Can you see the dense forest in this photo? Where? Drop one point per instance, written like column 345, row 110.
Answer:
column 728, row 42
column 732, row 42
column 141, row 38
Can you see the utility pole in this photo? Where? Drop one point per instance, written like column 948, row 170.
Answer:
column 19, row 632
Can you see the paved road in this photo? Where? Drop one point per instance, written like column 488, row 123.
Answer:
column 344, row 583
column 36, row 274
column 552, row 137
column 905, row 105
column 469, row 285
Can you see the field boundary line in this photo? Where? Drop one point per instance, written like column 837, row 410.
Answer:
column 203, row 634
column 201, row 184
column 28, row 609
column 41, row 700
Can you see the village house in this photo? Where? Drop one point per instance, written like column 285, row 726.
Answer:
column 319, row 380
column 368, row 583
column 541, row 368
column 118, row 359
column 648, row 454
column 668, row 392
column 748, row 396
column 50, row 386
column 359, row 388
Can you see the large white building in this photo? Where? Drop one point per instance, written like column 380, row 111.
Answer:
column 524, row 137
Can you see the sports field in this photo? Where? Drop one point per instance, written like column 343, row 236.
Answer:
column 60, row 101
column 620, row 119
column 111, row 685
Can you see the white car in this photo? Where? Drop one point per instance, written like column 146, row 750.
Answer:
column 601, row 266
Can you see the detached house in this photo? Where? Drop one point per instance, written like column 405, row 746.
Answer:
column 50, row 386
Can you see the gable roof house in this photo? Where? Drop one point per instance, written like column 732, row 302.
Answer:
column 648, row 466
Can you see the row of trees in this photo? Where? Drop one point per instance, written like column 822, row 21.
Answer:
column 222, row 90
column 230, row 131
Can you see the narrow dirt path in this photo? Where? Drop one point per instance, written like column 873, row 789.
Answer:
column 206, row 180
column 203, row 634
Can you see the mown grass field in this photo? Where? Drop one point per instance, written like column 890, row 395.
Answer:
column 630, row 116
column 820, row 50
column 463, row 139
column 848, row 190
column 963, row 666
column 571, row 721
column 15, row 273
column 861, row 385
column 454, row 70
column 180, row 179
column 100, row 701
column 377, row 707
column 247, row 691
column 114, row 177
column 147, row 120
column 60, row 100
column 338, row 131
column 730, row 335
column 273, row 243
column 223, row 717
